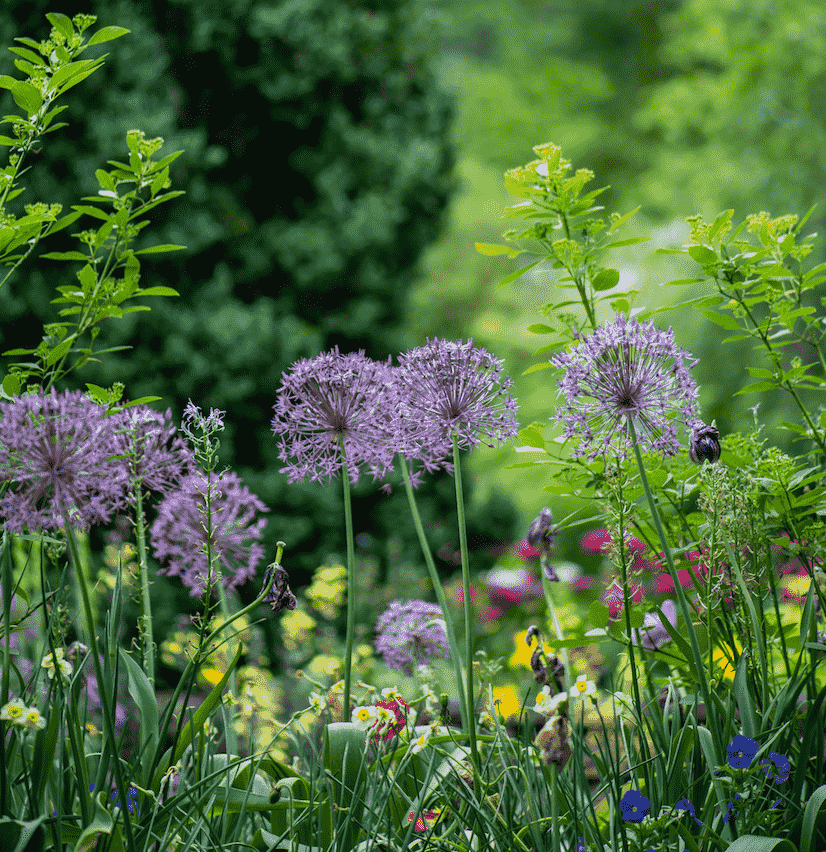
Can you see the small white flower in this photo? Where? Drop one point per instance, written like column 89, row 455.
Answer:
column 583, row 686
column 14, row 712
column 542, row 700
column 63, row 664
column 318, row 702
column 365, row 717
column 420, row 743
column 33, row 721
column 390, row 693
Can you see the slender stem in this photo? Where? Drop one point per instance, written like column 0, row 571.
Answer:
column 465, row 709
column 682, row 600
column 146, row 631
column 351, row 585
column 105, row 697
column 460, row 509
column 546, row 588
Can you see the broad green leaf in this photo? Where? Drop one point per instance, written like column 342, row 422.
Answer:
column 631, row 241
column 508, row 279
column 106, row 34
column 65, row 255
column 723, row 320
column 88, row 278
column 491, row 249
column 27, row 97
column 532, row 438
column 157, row 291
column 91, row 211
column 541, row 328
column 20, row 836
column 535, row 367
column 598, row 614
column 143, row 694
column 59, row 351
column 30, row 55
column 702, row 255
column 62, row 23
column 755, row 387
column 756, row 843
column 605, row 279
column 11, row 385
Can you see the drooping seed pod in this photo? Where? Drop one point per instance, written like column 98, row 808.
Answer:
column 704, row 444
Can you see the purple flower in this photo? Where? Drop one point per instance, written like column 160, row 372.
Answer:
column 326, row 399
column 411, row 632
column 656, row 633
column 179, row 533
column 55, row 451
column 704, row 443
column 740, row 751
column 634, row 806
column 155, row 456
column 624, row 371
column 448, row 388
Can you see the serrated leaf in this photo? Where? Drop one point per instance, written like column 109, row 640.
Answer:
column 106, row 34
column 492, row 249
column 605, row 279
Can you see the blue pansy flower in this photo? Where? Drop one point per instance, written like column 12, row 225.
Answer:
column 741, row 751
column 634, row 806
column 685, row 805
column 782, row 764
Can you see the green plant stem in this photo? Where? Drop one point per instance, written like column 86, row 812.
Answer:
column 146, row 630
column 682, row 600
column 460, row 510
column 546, row 588
column 465, row 709
column 105, row 698
column 351, row 585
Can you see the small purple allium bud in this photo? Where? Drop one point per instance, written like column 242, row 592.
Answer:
column 705, row 443
column 541, row 537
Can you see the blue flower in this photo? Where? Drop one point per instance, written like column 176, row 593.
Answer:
column 781, row 763
column 741, row 751
column 634, row 806
column 685, row 805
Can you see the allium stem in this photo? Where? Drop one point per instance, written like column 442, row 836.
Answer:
column 467, row 715
column 351, row 584
column 546, row 588
column 105, row 702
column 146, row 631
column 460, row 510
column 682, row 600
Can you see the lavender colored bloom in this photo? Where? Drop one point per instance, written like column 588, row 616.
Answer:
column 179, row 533
column 331, row 397
column 155, row 456
column 624, row 371
column 410, row 633
column 448, row 388
column 655, row 632
column 55, row 451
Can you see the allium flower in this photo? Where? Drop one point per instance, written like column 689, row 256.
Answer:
column 410, row 633
column 55, row 451
column 331, row 397
column 448, row 388
column 623, row 371
column 155, row 456
column 179, row 533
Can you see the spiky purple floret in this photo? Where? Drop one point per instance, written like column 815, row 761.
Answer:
column 626, row 370
column 409, row 633
column 330, row 397
column 155, row 457
column 445, row 388
column 55, row 452
column 179, row 532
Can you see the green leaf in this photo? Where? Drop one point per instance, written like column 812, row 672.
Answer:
column 702, row 255
column 33, row 57
column 598, row 614
column 541, row 328
column 160, row 248
column 508, row 279
column 59, row 351
column 755, row 843
column 723, row 320
column 20, row 836
column 491, row 249
column 669, row 251
column 62, row 23
column 605, row 279
column 544, row 366
column 11, row 385
column 157, row 291
column 26, row 96
column 100, row 825
column 65, row 255
column 632, row 241
column 91, row 211
column 143, row 694
column 106, row 34
column 622, row 219
column 532, row 438
column 88, row 278
column 755, row 387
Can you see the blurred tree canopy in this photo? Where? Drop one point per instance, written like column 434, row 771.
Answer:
column 318, row 168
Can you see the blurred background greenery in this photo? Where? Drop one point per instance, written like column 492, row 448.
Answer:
column 343, row 157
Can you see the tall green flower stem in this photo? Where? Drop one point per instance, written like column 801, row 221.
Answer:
column 460, row 510
column 351, row 585
column 146, row 630
column 682, row 600
column 106, row 697
column 466, row 710
column 546, row 588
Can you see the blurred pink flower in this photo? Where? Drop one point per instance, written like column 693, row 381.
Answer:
column 585, row 582
column 509, row 586
column 614, row 600
column 524, row 551
column 492, row 613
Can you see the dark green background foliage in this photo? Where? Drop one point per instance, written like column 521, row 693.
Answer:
column 318, row 168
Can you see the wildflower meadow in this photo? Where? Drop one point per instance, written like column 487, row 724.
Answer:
column 675, row 701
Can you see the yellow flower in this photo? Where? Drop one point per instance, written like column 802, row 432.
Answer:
column 522, row 655
column 323, row 664
column 297, row 627
column 211, row 674
column 722, row 660
column 507, row 700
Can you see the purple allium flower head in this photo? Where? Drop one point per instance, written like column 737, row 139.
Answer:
column 623, row 371
column 155, row 456
column 445, row 388
column 179, row 532
column 56, row 451
column 410, row 633
column 330, row 397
